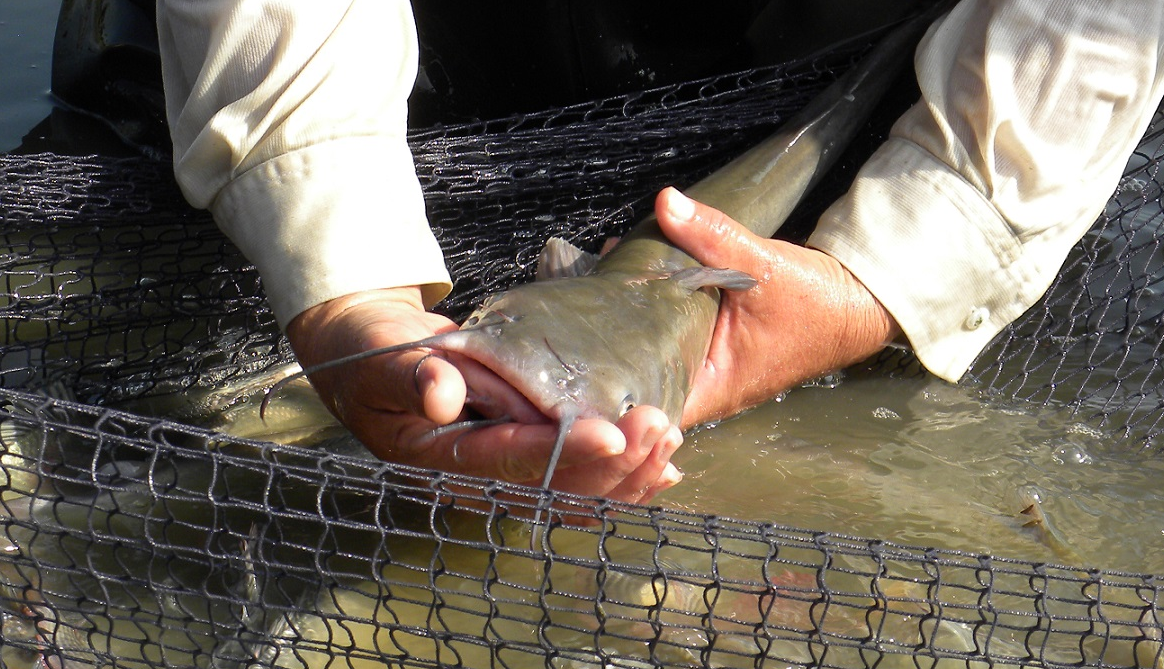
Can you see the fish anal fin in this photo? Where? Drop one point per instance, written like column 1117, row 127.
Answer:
column 694, row 278
column 560, row 259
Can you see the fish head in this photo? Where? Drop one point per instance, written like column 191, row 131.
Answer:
column 552, row 343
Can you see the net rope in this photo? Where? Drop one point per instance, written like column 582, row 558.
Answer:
column 135, row 540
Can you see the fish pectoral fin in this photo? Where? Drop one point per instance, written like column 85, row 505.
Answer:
column 694, row 278
column 560, row 259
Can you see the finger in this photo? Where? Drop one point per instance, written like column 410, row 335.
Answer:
column 440, row 390
column 643, row 428
column 416, row 382
column 670, row 478
column 518, row 452
column 709, row 235
column 655, row 474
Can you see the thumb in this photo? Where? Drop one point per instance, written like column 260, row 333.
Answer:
column 427, row 385
column 707, row 234
column 410, row 380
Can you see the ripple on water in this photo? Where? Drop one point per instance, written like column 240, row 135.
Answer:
column 931, row 463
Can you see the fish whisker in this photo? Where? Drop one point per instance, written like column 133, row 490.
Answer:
column 471, row 424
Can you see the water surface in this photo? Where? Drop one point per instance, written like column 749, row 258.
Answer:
column 922, row 462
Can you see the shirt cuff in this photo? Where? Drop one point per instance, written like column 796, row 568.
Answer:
column 334, row 219
column 936, row 253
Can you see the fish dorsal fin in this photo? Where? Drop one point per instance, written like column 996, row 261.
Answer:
column 560, row 259
column 694, row 278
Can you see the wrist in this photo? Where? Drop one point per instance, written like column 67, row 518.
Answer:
column 851, row 324
column 870, row 327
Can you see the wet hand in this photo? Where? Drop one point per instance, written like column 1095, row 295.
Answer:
column 393, row 402
column 807, row 316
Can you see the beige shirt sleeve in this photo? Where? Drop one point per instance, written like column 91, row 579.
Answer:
column 1029, row 111
column 288, row 120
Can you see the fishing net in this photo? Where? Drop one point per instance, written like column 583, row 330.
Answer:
column 140, row 530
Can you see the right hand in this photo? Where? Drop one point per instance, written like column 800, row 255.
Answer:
column 808, row 314
column 393, row 402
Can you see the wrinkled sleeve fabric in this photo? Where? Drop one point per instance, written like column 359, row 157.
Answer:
column 288, row 120
column 1029, row 111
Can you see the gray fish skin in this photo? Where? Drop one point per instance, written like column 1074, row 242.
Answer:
column 636, row 328
column 232, row 407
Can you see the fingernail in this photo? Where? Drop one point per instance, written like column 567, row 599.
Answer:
column 681, row 207
column 671, row 475
column 615, row 447
column 674, row 439
column 676, row 436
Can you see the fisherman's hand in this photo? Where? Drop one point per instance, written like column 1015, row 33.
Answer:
column 807, row 316
column 393, row 402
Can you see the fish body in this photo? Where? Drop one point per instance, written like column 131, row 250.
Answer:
column 232, row 407
column 635, row 328
column 597, row 345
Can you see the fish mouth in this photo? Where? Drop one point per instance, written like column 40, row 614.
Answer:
column 493, row 396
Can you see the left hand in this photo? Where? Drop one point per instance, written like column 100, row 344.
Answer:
column 807, row 316
column 393, row 402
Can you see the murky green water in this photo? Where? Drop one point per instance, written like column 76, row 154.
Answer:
column 916, row 461
column 922, row 462
column 912, row 461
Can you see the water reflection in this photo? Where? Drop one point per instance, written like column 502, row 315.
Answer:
column 928, row 463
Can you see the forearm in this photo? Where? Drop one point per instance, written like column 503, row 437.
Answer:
column 1029, row 111
column 300, row 155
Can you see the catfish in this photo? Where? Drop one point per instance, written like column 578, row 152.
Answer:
column 596, row 337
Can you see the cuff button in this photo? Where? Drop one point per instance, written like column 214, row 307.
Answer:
column 977, row 317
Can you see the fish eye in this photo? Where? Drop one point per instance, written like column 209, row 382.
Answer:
column 628, row 403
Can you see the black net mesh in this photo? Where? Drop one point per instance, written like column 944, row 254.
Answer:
column 139, row 533
column 136, row 542
column 1093, row 343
